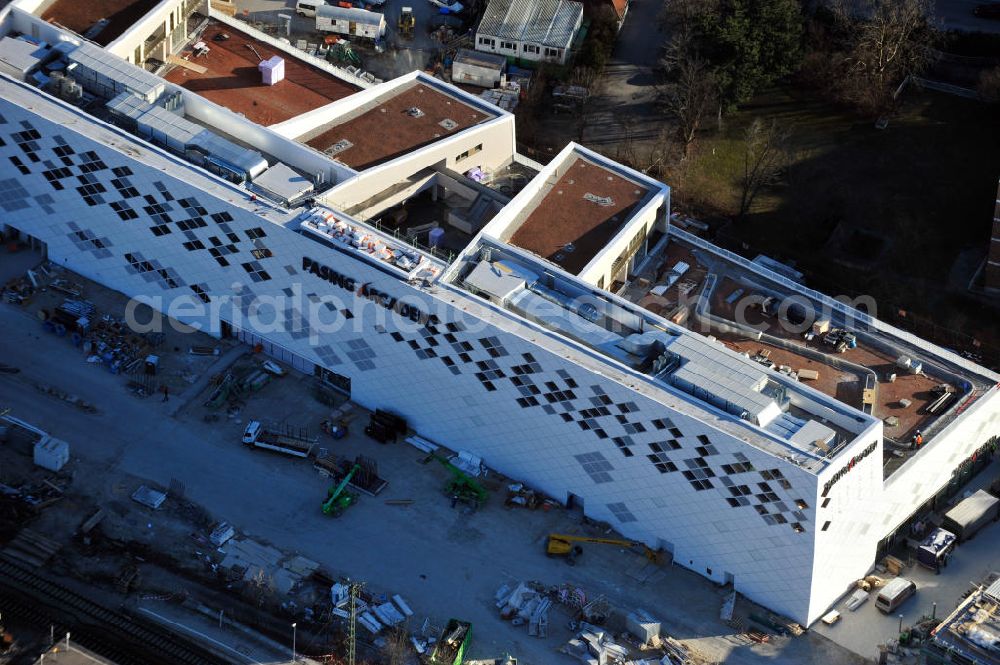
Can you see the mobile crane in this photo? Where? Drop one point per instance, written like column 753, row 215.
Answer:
column 339, row 498
column 562, row 545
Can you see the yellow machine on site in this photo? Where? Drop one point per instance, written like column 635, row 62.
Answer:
column 563, row 545
column 407, row 21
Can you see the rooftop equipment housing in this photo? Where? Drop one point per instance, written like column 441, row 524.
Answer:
column 183, row 137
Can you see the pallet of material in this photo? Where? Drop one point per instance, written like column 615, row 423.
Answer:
column 31, row 548
column 808, row 374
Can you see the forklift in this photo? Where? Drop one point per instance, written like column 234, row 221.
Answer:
column 339, row 498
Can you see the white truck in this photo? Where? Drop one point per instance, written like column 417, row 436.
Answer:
column 281, row 440
column 350, row 21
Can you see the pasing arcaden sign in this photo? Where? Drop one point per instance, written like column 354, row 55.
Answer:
column 365, row 290
column 850, row 465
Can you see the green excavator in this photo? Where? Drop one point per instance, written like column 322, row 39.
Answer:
column 462, row 486
column 339, row 498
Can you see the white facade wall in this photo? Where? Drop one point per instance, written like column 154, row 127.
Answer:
column 531, row 413
column 845, row 549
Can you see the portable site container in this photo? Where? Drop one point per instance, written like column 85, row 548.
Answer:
column 971, row 515
column 475, row 68
column 350, row 21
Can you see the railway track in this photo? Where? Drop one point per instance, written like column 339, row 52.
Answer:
column 123, row 639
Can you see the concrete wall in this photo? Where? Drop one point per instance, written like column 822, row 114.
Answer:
column 22, row 21
column 656, row 211
column 495, row 136
column 124, row 46
column 567, row 439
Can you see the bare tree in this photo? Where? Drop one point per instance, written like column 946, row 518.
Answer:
column 766, row 154
column 887, row 42
column 690, row 92
column 397, row 649
column 989, row 86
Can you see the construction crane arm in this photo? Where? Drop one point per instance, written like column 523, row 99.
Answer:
column 560, row 544
column 339, row 489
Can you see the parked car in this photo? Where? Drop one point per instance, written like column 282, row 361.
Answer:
column 988, row 10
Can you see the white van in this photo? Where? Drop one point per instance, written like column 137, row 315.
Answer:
column 894, row 594
column 308, row 8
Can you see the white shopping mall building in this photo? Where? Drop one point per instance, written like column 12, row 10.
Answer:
column 388, row 238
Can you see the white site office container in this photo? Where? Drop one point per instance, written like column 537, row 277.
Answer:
column 51, row 454
column 350, row 21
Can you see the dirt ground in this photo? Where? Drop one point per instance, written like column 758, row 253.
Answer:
column 79, row 16
column 233, row 80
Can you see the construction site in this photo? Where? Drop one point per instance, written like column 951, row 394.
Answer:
column 133, row 519
column 713, row 296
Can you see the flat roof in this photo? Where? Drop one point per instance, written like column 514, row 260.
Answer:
column 389, row 127
column 82, row 15
column 232, row 79
column 579, row 214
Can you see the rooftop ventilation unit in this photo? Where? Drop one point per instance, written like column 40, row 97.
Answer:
column 414, row 112
column 448, row 124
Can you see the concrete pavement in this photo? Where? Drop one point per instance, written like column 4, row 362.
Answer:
column 628, row 88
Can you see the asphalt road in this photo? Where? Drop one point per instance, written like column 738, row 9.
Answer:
column 957, row 15
column 628, row 90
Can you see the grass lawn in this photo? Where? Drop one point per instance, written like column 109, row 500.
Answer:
column 925, row 185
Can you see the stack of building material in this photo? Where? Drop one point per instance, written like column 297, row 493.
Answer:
column 644, row 627
column 31, row 548
column 593, row 644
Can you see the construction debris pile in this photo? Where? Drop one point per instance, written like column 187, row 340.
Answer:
column 519, row 495
column 527, row 603
column 640, row 644
column 374, row 613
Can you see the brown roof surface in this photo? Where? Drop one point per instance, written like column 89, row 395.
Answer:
column 565, row 216
column 386, row 131
column 233, row 80
column 621, row 6
column 79, row 15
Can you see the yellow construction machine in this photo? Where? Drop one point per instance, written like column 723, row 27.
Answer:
column 563, row 545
